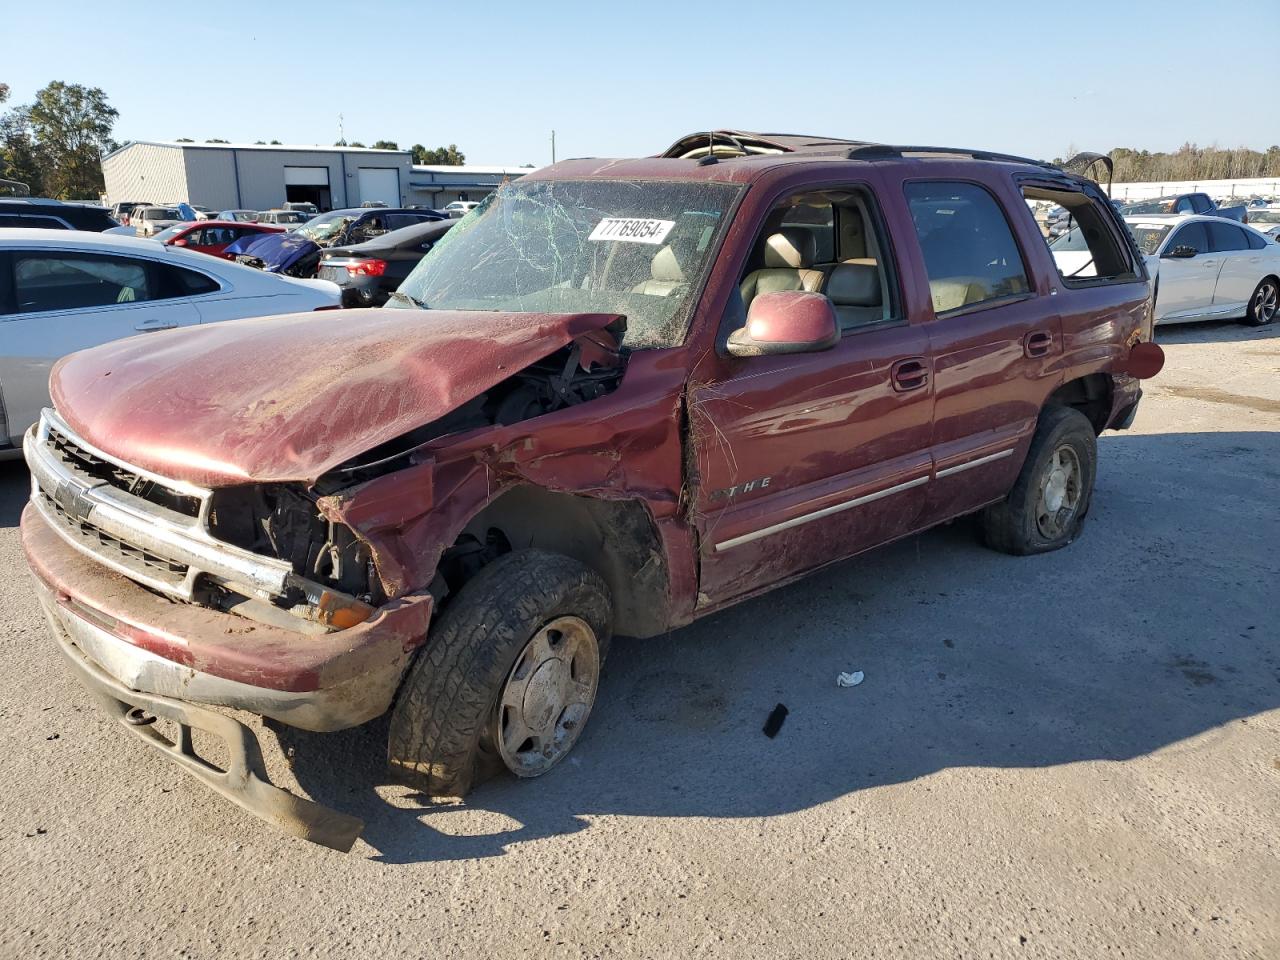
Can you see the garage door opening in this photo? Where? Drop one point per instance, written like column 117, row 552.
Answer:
column 303, row 194
column 308, row 185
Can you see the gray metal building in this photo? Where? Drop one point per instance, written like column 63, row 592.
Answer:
column 256, row 176
column 435, row 186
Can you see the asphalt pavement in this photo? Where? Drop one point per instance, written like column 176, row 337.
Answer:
column 1073, row 755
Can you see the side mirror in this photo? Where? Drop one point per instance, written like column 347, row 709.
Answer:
column 1182, row 252
column 789, row 321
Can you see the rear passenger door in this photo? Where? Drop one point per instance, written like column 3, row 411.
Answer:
column 1241, row 266
column 995, row 339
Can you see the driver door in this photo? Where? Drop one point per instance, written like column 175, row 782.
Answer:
column 1187, row 284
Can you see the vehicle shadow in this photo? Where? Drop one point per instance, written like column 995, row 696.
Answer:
column 1156, row 626
column 15, row 488
column 1215, row 331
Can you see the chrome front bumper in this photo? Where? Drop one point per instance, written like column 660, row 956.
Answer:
column 151, row 544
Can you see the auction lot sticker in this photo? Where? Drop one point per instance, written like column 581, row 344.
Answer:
column 632, row 230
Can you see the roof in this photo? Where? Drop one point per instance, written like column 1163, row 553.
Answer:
column 472, row 169
column 312, row 148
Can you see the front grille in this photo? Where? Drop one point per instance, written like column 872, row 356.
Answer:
column 146, row 565
column 89, row 464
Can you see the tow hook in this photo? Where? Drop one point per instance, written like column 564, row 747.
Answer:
column 139, row 717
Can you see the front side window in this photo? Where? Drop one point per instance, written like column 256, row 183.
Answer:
column 639, row 248
column 969, row 250
column 1191, row 235
column 70, row 281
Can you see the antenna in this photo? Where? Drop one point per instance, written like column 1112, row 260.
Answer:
column 341, row 139
column 553, row 146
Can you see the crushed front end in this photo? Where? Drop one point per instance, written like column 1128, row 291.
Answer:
column 176, row 601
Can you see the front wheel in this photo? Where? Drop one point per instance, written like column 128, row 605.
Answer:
column 1046, row 508
column 508, row 676
column 1264, row 304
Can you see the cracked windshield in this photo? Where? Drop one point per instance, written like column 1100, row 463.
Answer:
column 636, row 248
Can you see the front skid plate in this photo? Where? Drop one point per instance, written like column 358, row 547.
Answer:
column 244, row 782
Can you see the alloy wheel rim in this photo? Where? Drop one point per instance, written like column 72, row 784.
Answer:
column 1061, row 487
column 548, row 696
column 1264, row 308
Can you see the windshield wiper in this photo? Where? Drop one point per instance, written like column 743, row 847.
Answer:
column 411, row 300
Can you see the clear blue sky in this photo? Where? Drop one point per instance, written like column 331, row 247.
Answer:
column 626, row 77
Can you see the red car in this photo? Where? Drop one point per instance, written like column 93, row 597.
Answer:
column 619, row 396
column 212, row 236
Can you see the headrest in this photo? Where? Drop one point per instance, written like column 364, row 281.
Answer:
column 854, row 285
column 790, row 247
column 666, row 267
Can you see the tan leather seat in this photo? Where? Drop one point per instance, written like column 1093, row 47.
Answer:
column 854, row 291
column 665, row 275
column 788, row 257
column 948, row 293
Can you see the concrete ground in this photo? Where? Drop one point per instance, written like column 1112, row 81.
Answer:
column 1074, row 755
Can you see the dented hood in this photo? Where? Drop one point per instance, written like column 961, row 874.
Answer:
column 291, row 397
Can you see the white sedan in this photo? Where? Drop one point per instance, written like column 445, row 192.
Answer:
column 1209, row 268
column 63, row 290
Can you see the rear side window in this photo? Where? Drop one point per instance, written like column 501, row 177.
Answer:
column 178, row 282
column 1223, row 238
column 70, row 281
column 969, row 251
column 1184, row 205
column 1255, row 242
column 31, row 223
column 1090, row 251
column 1190, row 235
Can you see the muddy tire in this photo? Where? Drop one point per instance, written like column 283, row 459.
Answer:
column 520, row 644
column 1047, row 506
column 1264, row 305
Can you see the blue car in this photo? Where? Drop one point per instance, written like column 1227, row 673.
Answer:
column 297, row 253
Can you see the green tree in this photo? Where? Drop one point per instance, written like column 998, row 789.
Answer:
column 184, row 140
column 19, row 155
column 449, row 156
column 72, row 126
column 385, row 145
column 216, row 140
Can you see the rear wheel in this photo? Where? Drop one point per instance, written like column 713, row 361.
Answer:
column 508, row 677
column 1264, row 304
column 1046, row 508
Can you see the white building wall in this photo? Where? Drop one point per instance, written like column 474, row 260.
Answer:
column 144, row 172
column 1243, row 188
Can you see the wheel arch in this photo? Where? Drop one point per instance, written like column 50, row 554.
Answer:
column 1091, row 394
column 617, row 538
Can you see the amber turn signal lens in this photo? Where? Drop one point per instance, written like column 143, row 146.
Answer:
column 342, row 612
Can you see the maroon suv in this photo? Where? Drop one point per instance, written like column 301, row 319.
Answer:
column 617, row 396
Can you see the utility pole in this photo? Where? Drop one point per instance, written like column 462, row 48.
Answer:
column 553, row 146
column 341, row 138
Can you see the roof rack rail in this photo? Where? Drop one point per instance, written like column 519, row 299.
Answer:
column 875, row 150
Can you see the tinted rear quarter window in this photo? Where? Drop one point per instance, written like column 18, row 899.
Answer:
column 31, row 223
column 969, row 249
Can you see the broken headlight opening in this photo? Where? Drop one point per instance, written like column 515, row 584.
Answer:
column 334, row 584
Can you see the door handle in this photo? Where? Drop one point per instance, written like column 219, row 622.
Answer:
column 147, row 326
column 909, row 374
column 1037, row 343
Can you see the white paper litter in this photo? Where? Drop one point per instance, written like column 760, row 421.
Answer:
column 850, row 679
